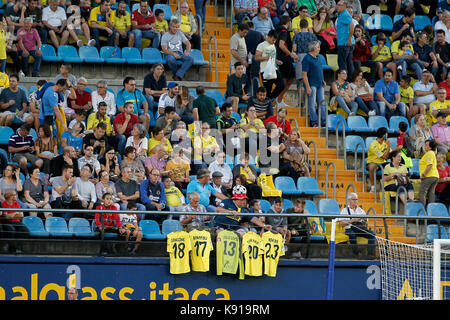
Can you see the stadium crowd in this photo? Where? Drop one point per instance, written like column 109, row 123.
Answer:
column 99, row 150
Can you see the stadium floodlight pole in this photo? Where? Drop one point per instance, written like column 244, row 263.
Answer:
column 330, row 286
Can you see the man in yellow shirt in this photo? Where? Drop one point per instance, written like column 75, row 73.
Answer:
column 302, row 14
column 429, row 174
column 101, row 24
column 121, row 21
column 439, row 105
column 100, row 116
column 378, row 153
column 188, row 25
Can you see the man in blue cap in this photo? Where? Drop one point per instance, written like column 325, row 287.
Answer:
column 167, row 99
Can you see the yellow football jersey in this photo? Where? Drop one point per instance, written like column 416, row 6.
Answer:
column 273, row 250
column 253, row 250
column 179, row 246
column 201, row 248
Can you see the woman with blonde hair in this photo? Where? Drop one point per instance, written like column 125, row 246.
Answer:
column 294, row 156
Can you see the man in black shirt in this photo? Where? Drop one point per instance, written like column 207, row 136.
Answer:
column 226, row 124
column 237, row 87
column 68, row 157
column 155, row 84
column 441, row 49
column 98, row 139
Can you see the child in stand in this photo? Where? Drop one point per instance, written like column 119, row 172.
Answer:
column 407, row 97
column 130, row 221
column 161, row 24
column 111, row 221
column 12, row 225
column 175, row 199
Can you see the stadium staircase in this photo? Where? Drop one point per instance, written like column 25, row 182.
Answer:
column 215, row 27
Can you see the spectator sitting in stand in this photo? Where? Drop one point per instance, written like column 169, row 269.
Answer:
column 12, row 225
column 204, row 189
column 14, row 104
column 387, row 96
column 441, row 133
column 85, row 188
column 139, row 141
column 36, row 194
column 143, row 21
column 238, row 88
column 46, row 146
column 219, row 165
column 155, row 85
column 378, row 154
column 172, row 46
column 90, row 159
column 194, row 206
column 103, row 95
column 68, row 156
column 263, row 105
column 153, row 196
column 188, row 25
column 101, row 24
column 281, row 122
column 21, row 147
column 175, row 199
column 179, row 168
column 64, row 193
column 54, row 19
column 29, row 44
column 184, row 105
column 130, row 222
column 121, row 20
column 439, row 105
column 83, row 99
column 128, row 190
column 279, row 224
column 136, row 165
column 441, row 49
column 124, row 123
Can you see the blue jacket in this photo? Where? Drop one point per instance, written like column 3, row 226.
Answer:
column 150, row 192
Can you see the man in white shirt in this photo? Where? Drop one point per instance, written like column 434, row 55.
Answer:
column 54, row 19
column 167, row 99
column 425, row 89
column 356, row 227
column 103, row 95
column 219, row 165
column 85, row 188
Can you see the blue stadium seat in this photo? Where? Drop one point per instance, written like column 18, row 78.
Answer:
column 198, row 58
column 381, row 22
column 68, row 53
column 169, row 226
column 166, row 8
column 216, row 95
column 393, row 142
column 287, row 204
column 420, row 22
column 36, row 226
column 150, row 230
column 437, row 209
column 286, row 185
column 368, row 141
column 413, row 208
column 265, row 205
column 376, row 122
column 32, row 89
column 394, row 121
column 57, row 227
column 90, row 54
column 135, row 6
column 5, row 134
column 414, row 171
column 358, row 124
column 33, row 133
column 132, row 55
column 397, row 17
column 49, row 53
column 236, row 116
column 333, row 123
column 111, row 54
column 351, row 143
column 152, row 55
column 80, row 227
column 435, row 231
column 367, row 20
column 329, row 206
column 310, row 206
column 308, row 186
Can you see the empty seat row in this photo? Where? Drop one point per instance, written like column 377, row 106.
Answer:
column 384, row 22
column 80, row 227
column 304, row 186
column 110, row 54
column 360, row 125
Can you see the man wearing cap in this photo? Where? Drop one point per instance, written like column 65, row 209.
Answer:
column 441, row 133
column 204, row 189
column 218, row 186
column 237, row 204
column 167, row 99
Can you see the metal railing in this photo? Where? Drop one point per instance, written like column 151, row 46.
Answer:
column 340, row 122
column 363, row 171
column 379, row 166
column 334, row 180
column 308, row 143
column 102, row 240
column 215, row 56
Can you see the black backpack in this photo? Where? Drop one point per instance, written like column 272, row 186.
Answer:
column 409, row 146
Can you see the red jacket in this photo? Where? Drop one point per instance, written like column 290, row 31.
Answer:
column 284, row 126
column 362, row 53
column 110, row 220
column 141, row 20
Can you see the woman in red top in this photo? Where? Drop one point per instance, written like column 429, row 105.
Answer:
column 362, row 55
column 443, row 188
column 11, row 222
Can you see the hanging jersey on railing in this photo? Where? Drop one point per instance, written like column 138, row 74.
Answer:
column 179, row 247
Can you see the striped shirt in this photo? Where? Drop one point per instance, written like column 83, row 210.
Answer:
column 17, row 141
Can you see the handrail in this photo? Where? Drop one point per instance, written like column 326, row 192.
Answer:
column 253, row 85
column 337, row 141
column 225, row 12
column 215, row 55
column 315, row 157
column 363, row 156
column 334, row 180
column 397, row 195
column 417, row 222
column 346, row 192
column 382, row 183
column 216, row 8
column 299, row 91
column 200, row 29
column 231, row 18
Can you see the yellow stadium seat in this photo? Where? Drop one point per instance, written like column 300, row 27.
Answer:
column 365, row 69
column 332, row 60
